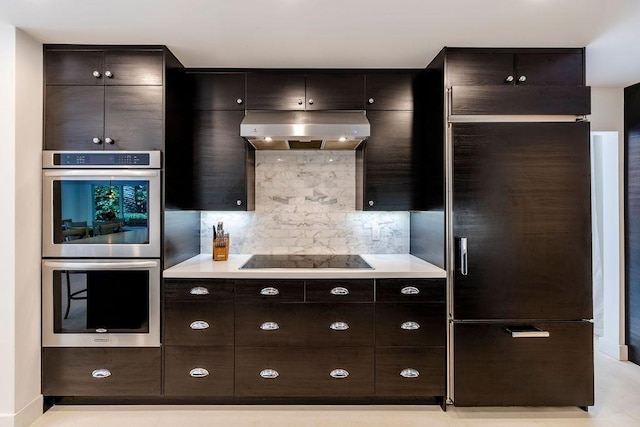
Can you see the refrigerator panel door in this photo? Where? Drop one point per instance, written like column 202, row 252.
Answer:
column 521, row 199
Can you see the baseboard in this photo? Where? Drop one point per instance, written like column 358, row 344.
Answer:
column 25, row 417
column 613, row 349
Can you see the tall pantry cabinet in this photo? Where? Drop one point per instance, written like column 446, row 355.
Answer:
column 518, row 226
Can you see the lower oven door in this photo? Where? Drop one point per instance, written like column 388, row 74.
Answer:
column 101, row 303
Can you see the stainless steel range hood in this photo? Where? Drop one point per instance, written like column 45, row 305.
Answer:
column 305, row 130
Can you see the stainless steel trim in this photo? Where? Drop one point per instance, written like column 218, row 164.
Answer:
column 410, row 290
column 494, row 118
column 464, row 266
column 198, row 325
column 339, row 326
column 269, row 326
column 269, row 291
column 339, row 290
column 409, row 373
column 155, row 160
column 450, row 248
column 101, row 373
column 339, row 373
column 108, row 339
column 269, row 374
column 199, row 373
column 410, row 326
column 199, row 290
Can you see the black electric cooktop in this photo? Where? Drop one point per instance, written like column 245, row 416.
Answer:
column 306, row 261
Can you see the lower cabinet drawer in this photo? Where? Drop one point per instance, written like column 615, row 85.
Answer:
column 411, row 324
column 198, row 371
column 206, row 324
column 303, row 371
column 492, row 367
column 411, row 371
column 114, row 371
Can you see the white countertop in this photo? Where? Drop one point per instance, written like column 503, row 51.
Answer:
column 384, row 266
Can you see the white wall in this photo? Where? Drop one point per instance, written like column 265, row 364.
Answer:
column 20, row 193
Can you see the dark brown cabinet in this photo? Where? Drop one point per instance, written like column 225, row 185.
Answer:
column 389, row 91
column 104, row 99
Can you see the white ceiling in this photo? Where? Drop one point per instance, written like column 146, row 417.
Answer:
column 342, row 33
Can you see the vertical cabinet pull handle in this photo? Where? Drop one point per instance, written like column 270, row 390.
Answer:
column 199, row 290
column 339, row 326
column 409, row 373
column 339, row 290
column 269, row 374
column 410, row 326
column 101, row 373
column 269, row 291
column 464, row 267
column 339, row 373
column 199, row 325
column 198, row 372
column 269, row 326
column 410, row 290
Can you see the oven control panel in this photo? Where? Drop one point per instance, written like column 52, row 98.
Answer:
column 111, row 159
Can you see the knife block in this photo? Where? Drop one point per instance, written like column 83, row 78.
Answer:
column 221, row 248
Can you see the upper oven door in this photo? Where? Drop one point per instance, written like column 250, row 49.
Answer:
column 92, row 213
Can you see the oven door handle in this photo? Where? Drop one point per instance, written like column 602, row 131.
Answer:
column 103, row 265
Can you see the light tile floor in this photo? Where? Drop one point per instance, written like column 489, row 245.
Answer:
column 617, row 405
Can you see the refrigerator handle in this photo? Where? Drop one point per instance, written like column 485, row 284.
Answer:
column 463, row 256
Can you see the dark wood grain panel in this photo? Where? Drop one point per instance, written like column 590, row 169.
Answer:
column 430, row 290
column 430, row 362
column 335, row 91
column 217, row 91
column 275, row 91
column 522, row 199
column 563, row 67
column 181, row 236
column 427, row 236
column 180, row 361
column 304, row 371
column 430, row 317
column 553, row 100
column 68, row 371
column 494, row 369
column 359, row 290
column 478, row 67
column 288, row 290
column 68, row 67
column 389, row 91
column 180, row 290
column 73, row 116
column 133, row 67
column 179, row 316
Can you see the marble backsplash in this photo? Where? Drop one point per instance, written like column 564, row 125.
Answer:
column 305, row 204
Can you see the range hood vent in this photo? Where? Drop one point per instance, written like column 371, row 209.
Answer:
column 305, row 130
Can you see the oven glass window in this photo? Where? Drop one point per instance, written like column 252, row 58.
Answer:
column 99, row 212
column 115, row 301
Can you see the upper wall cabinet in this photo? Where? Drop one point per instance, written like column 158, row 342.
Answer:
column 305, row 91
column 539, row 67
column 389, row 91
column 111, row 98
column 217, row 91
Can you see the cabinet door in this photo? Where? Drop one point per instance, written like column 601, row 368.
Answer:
column 389, row 91
column 521, row 198
column 133, row 67
column 64, row 67
column 275, row 91
column 475, row 68
column 550, row 69
column 389, row 173
column 73, row 116
column 218, row 91
column 335, row 91
column 133, row 117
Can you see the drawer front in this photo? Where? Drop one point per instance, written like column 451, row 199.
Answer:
column 304, row 324
column 218, row 290
column 304, row 371
column 410, row 290
column 413, row 324
column 198, row 324
column 492, row 368
column 198, row 371
column 270, row 290
column 112, row 371
column 339, row 290
column 410, row 371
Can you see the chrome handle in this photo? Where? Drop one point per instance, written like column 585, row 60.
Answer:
column 96, row 141
column 371, row 203
column 339, row 373
column 96, row 74
column 299, row 101
column 239, row 101
column 101, row 266
column 339, row 290
column 108, row 74
column 509, row 79
column 269, row 326
column 339, row 326
column 269, row 374
column 239, row 202
column 528, row 333
column 199, row 290
column 409, row 290
column 199, row 325
column 101, row 330
column 101, row 373
column 311, row 101
column 269, row 291
column 410, row 326
column 371, row 100
column 198, row 372
column 409, row 373
column 522, row 79
column 464, row 268
column 109, row 141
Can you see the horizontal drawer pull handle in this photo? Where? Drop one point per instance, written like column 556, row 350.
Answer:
column 199, row 290
column 198, row 372
column 269, row 374
column 409, row 373
column 339, row 290
column 339, row 373
column 410, row 326
column 199, row 325
column 101, row 373
column 269, row 326
column 410, row 290
column 339, row 326
column 528, row 333
column 270, row 291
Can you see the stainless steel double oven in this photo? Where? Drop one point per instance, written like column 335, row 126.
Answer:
column 101, row 248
